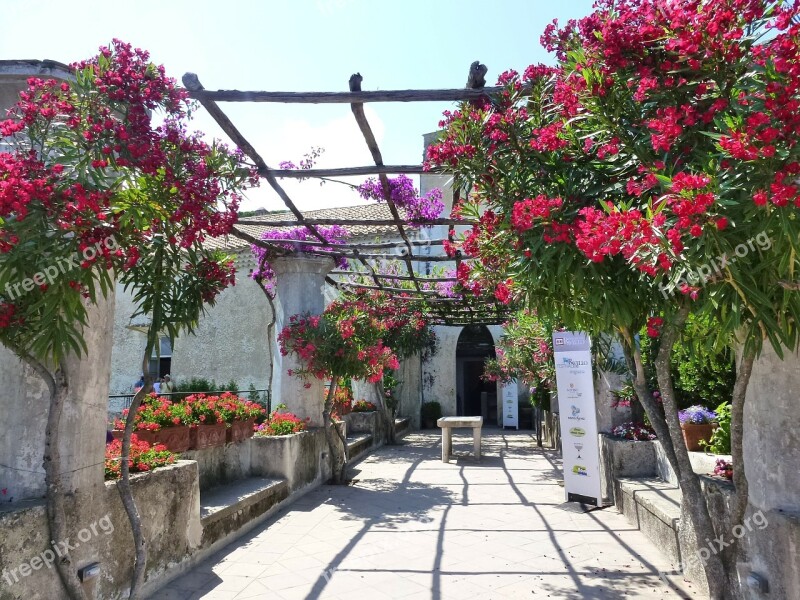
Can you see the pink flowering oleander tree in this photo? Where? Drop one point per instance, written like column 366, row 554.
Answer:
column 649, row 175
column 89, row 175
column 361, row 335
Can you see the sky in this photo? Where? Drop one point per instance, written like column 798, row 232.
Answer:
column 302, row 45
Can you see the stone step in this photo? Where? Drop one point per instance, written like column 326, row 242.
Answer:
column 654, row 507
column 227, row 509
column 402, row 426
column 358, row 444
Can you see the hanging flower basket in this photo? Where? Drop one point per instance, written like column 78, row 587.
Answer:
column 240, row 431
column 207, row 436
column 176, row 439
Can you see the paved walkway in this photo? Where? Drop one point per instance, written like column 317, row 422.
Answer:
column 412, row 527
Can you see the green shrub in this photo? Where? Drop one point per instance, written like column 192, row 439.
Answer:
column 721, row 438
column 201, row 385
column 701, row 374
column 431, row 411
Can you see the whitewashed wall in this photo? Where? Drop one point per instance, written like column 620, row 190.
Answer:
column 230, row 341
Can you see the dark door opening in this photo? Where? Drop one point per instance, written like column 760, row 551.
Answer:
column 475, row 396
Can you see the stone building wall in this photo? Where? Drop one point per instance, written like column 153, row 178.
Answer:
column 771, row 458
column 230, row 341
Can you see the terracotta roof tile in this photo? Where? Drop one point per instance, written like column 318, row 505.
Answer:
column 367, row 212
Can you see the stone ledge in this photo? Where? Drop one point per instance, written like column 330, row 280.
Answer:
column 655, row 508
column 402, row 426
column 357, row 445
column 227, row 509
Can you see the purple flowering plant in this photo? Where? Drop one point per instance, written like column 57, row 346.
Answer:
column 263, row 272
column 697, row 415
column 406, row 197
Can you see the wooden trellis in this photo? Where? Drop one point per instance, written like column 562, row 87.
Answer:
column 424, row 295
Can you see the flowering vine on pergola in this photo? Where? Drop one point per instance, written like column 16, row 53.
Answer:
column 423, row 292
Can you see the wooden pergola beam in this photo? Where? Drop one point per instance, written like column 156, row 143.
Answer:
column 351, row 222
column 445, row 310
column 346, row 246
column 352, row 97
column 425, row 279
column 356, row 254
column 347, row 171
column 369, row 137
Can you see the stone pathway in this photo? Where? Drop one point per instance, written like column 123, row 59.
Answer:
column 412, row 527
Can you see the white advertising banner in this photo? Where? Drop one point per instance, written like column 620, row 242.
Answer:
column 578, row 417
column 510, row 405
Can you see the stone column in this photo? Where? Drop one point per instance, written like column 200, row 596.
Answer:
column 299, row 286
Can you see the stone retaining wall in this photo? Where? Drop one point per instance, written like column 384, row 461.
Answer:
column 169, row 502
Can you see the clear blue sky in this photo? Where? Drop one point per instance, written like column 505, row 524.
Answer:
column 302, row 45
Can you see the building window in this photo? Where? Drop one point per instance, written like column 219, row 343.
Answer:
column 160, row 363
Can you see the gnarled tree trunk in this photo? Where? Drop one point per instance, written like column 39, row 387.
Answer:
column 669, row 433
column 689, row 482
column 730, row 555
column 124, row 483
column 58, row 389
column 338, row 455
column 386, row 414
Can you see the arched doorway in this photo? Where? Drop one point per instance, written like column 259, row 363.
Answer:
column 474, row 396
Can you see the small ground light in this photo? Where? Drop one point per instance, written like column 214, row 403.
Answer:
column 89, row 572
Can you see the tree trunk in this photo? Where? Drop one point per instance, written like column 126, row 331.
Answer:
column 124, row 483
column 58, row 388
column 537, row 411
column 270, row 333
column 337, row 467
column 693, row 498
column 633, row 358
column 386, row 414
column 743, row 373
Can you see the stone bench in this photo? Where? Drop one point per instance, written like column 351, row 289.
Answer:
column 447, row 424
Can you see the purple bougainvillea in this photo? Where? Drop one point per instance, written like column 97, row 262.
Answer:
column 415, row 208
column 333, row 235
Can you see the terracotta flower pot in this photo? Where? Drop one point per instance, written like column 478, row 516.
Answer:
column 239, row 431
column 694, row 433
column 176, row 439
column 207, row 436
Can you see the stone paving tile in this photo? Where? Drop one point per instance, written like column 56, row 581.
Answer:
column 413, row 528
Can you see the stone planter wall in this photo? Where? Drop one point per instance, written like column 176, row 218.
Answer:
column 169, row 502
column 221, row 464
column 367, row 422
column 302, row 458
column 623, row 458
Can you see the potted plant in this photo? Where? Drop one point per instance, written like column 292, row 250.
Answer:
column 431, row 412
column 698, row 424
column 159, row 421
column 239, row 416
column 363, row 406
column 208, row 428
column 281, row 423
column 143, row 457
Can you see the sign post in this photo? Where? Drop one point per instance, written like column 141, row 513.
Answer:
column 578, row 417
column 510, row 405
